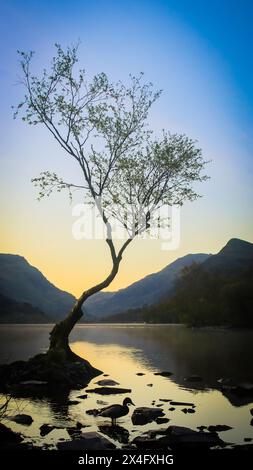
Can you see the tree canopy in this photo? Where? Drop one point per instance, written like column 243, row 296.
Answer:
column 103, row 126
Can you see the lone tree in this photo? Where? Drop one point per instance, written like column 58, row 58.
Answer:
column 103, row 127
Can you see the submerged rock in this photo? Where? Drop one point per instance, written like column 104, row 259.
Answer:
column 144, row 415
column 47, row 428
column 155, row 432
column 164, row 373
column 118, row 433
column 219, row 428
column 162, row 420
column 108, row 382
column 22, row 419
column 87, row 441
column 147, row 442
column 182, row 437
column 181, row 403
column 109, row 390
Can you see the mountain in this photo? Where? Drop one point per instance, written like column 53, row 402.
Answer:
column 147, row 291
column 215, row 292
column 236, row 254
column 12, row 311
column 24, row 283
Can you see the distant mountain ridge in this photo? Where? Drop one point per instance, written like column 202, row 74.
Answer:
column 24, row 283
column 147, row 291
column 215, row 292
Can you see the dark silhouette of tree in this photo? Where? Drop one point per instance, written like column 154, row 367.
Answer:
column 102, row 126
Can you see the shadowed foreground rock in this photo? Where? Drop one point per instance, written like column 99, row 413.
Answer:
column 11, row 441
column 178, row 438
column 87, row 441
column 40, row 375
column 144, row 415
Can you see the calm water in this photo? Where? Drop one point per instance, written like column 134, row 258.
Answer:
column 121, row 351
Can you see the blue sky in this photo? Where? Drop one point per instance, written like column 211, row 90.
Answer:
column 199, row 53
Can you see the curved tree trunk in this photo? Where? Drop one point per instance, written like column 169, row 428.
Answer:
column 59, row 337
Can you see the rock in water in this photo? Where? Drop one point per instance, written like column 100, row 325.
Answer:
column 219, row 428
column 40, row 375
column 164, row 373
column 161, row 420
column 109, row 390
column 46, row 429
column 117, row 433
column 22, row 419
column 87, row 441
column 179, row 437
column 181, row 403
column 144, row 415
column 107, row 382
column 147, row 442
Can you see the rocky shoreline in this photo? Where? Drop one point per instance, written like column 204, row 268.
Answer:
column 39, row 376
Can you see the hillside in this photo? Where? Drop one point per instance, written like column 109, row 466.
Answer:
column 218, row 291
column 235, row 255
column 147, row 291
column 24, row 283
column 12, row 311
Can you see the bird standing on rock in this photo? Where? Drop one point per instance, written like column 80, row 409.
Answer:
column 116, row 411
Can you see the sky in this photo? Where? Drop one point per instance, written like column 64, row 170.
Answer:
column 200, row 55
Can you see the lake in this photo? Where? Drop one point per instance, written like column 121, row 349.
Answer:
column 122, row 351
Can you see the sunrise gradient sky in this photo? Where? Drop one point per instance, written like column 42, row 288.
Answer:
column 200, row 54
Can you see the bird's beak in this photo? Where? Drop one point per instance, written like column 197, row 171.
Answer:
column 132, row 403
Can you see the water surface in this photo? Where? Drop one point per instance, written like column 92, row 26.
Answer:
column 121, row 351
